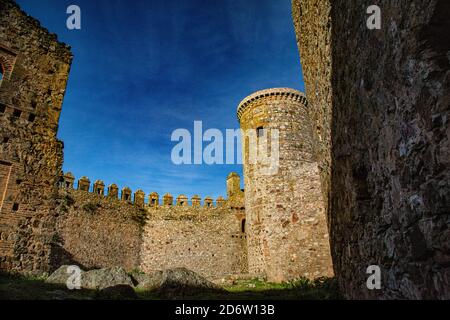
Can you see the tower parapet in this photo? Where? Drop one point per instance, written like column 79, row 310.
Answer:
column 274, row 94
column 233, row 185
column 84, row 184
column 69, row 180
column 153, row 199
column 168, row 200
column 113, row 191
column 208, row 202
column 139, row 198
column 196, row 201
column 182, row 200
column 126, row 194
column 99, row 187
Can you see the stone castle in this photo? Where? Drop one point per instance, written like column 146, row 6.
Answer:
column 363, row 170
column 275, row 229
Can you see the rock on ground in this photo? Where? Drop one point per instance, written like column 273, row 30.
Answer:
column 98, row 279
column 177, row 282
column 115, row 283
column 104, row 278
column 60, row 276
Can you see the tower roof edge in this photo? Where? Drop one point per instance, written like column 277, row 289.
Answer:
column 285, row 92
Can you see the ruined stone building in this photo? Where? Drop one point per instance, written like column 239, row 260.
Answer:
column 35, row 68
column 278, row 231
column 362, row 179
column 46, row 221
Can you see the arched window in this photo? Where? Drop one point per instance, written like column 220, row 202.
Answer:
column 243, row 226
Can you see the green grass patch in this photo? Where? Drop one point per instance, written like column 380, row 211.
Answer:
column 18, row 287
column 300, row 289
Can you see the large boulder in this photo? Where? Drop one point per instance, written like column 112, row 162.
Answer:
column 177, row 283
column 98, row 279
column 104, row 278
column 149, row 282
column 60, row 275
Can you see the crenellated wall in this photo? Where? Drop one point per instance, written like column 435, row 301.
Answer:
column 98, row 229
column 139, row 197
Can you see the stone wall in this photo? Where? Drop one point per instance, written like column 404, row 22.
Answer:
column 312, row 23
column 209, row 241
column 97, row 232
column 287, row 231
column 35, row 70
column 381, row 102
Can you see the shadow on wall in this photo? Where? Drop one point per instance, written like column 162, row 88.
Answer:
column 60, row 256
column 390, row 190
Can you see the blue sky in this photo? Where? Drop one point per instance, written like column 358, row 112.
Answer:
column 144, row 68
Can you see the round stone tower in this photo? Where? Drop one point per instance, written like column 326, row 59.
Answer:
column 287, row 235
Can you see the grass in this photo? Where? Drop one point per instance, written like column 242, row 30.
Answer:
column 17, row 287
column 301, row 289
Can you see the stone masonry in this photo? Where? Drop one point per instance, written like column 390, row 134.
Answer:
column 367, row 159
column 380, row 103
column 34, row 67
column 207, row 240
column 287, row 232
column 96, row 230
column 48, row 219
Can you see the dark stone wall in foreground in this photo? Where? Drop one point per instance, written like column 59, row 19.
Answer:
column 380, row 99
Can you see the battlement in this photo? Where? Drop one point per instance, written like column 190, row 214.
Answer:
column 67, row 181
column 276, row 93
column 50, row 39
